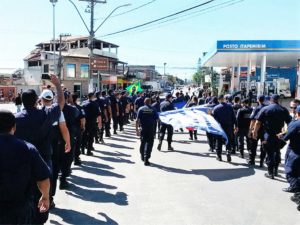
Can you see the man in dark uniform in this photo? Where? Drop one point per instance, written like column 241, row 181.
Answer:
column 80, row 126
column 121, row 111
column 292, row 157
column 224, row 114
column 273, row 118
column 92, row 117
column 156, row 106
column 254, row 142
column 139, row 102
column 107, row 113
column 212, row 138
column 20, row 166
column 146, row 119
column 166, row 105
column 114, row 110
column 236, row 106
column 243, row 124
column 71, row 115
column 102, row 104
column 40, row 124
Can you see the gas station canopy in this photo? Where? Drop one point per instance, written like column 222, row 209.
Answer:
column 279, row 53
column 252, row 53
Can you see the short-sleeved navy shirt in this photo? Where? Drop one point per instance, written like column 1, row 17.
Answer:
column 243, row 117
column 293, row 134
column 139, row 102
column 34, row 126
column 224, row 114
column 92, row 111
column 273, row 117
column 256, row 110
column 20, row 165
column 166, row 106
column 147, row 116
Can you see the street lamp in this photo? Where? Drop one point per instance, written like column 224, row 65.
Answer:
column 165, row 69
column 54, row 44
column 92, row 31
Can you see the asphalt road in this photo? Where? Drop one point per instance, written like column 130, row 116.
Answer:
column 186, row 186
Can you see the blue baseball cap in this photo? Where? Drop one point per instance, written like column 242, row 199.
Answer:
column 275, row 97
column 261, row 98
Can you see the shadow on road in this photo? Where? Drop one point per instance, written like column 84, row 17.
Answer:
column 118, row 154
column 90, row 183
column 73, row 217
column 210, row 155
column 211, row 174
column 120, row 198
column 121, row 139
column 118, row 146
column 97, row 171
column 116, row 160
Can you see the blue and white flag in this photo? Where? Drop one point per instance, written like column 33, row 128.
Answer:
column 194, row 117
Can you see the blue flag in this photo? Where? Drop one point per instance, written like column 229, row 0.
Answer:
column 194, row 117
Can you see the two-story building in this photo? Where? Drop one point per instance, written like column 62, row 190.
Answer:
column 73, row 63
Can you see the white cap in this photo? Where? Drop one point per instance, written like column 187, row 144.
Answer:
column 47, row 94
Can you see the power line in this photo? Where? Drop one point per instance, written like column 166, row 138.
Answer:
column 162, row 18
column 134, row 9
column 194, row 14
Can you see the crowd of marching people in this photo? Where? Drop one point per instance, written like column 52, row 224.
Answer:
column 40, row 143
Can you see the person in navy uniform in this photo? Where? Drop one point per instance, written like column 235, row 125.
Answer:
column 102, row 104
column 147, row 118
column 254, row 142
column 292, row 156
column 272, row 117
column 165, row 106
column 80, row 127
column 71, row 115
column 34, row 126
column 212, row 138
column 20, row 166
column 192, row 103
column 139, row 102
column 107, row 113
column 156, row 106
column 93, row 118
column 243, row 123
column 224, row 114
column 114, row 110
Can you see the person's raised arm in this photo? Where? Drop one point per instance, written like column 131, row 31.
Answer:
column 60, row 95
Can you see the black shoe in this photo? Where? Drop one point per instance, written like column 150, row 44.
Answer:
column 147, row 163
column 63, row 185
column 195, row 137
column 191, row 138
column 52, row 205
column 268, row 175
column 159, row 147
column 102, row 141
column 291, row 189
column 115, row 132
column 77, row 162
column 92, row 148
column 242, row 155
column 211, row 150
column 276, row 172
column 219, row 158
column 261, row 164
column 97, row 142
column 251, row 162
column 228, row 158
column 170, row 148
column 89, row 153
column 295, row 198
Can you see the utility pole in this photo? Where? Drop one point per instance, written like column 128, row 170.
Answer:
column 92, row 4
column 60, row 63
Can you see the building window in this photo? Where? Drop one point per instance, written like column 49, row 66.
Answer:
column 71, row 70
column 46, row 68
column 84, row 70
column 33, row 63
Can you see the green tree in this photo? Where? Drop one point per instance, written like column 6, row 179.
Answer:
column 198, row 77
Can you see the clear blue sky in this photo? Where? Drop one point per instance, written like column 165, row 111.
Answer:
column 179, row 43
